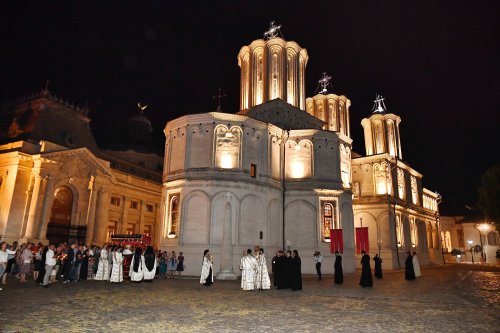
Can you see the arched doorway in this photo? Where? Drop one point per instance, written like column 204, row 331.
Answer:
column 59, row 226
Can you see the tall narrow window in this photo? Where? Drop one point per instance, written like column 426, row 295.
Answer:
column 275, row 77
column 399, row 231
column 414, row 190
column 289, row 88
column 345, row 166
column 413, row 232
column 391, row 135
column 401, row 184
column 329, row 220
column 253, row 170
column 389, row 179
column 260, row 76
column 173, row 220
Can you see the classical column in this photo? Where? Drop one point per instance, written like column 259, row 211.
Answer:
column 30, row 224
column 141, row 216
column 90, row 223
column 101, row 217
column 122, row 229
column 48, row 199
column 226, row 260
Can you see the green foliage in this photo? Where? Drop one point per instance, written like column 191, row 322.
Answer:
column 489, row 194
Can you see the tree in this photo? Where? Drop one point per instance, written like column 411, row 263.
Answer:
column 489, row 194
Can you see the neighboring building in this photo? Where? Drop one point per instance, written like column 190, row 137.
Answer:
column 464, row 232
column 279, row 175
column 57, row 185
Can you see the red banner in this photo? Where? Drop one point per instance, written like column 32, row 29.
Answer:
column 336, row 241
column 362, row 243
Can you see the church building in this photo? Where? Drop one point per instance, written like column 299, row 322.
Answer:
column 281, row 174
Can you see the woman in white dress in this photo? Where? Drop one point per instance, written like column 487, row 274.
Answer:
column 103, row 266
column 262, row 281
column 207, row 277
column 137, row 266
column 149, row 264
column 117, row 269
column 416, row 265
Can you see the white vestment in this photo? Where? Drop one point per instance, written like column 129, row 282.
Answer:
column 103, row 267
column 248, row 266
column 139, row 275
column 205, row 270
column 117, row 268
column 149, row 274
column 416, row 266
column 262, row 280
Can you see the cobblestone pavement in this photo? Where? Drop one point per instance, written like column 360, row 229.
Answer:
column 446, row 299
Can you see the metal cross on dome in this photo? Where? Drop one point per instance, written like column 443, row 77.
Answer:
column 324, row 82
column 219, row 98
column 273, row 31
column 379, row 105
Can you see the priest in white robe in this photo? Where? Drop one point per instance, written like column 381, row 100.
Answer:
column 207, row 277
column 103, row 266
column 248, row 266
column 416, row 265
column 137, row 266
column 117, row 268
column 262, row 281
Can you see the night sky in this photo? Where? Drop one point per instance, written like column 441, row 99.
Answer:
column 436, row 62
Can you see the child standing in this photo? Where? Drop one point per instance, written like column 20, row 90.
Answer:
column 172, row 264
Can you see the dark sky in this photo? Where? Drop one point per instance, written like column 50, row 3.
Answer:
column 436, row 62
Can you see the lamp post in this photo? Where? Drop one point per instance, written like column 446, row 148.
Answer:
column 484, row 229
column 471, row 253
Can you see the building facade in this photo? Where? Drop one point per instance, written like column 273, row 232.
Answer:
column 281, row 174
column 57, row 185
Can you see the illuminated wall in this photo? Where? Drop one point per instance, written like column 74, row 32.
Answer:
column 272, row 69
column 333, row 110
column 227, row 147
column 299, row 157
column 381, row 133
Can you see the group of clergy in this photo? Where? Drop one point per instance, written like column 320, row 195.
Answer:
column 287, row 273
column 412, row 266
column 254, row 273
column 115, row 262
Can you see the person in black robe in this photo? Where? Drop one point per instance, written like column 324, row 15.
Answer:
column 288, row 269
column 339, row 272
column 275, row 269
column 366, row 271
column 281, row 277
column 409, row 272
column 295, row 270
column 378, row 266
column 149, row 260
column 84, row 268
column 41, row 273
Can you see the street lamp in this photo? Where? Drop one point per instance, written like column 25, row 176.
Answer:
column 484, row 229
column 471, row 253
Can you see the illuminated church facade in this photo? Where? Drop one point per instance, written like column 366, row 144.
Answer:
column 281, row 173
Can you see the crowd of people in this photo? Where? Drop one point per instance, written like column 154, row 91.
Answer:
column 116, row 263
column 73, row 262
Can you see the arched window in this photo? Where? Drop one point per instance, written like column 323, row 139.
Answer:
column 227, row 147
column 329, row 220
column 401, row 184
column 413, row 232
column 414, row 190
column 380, row 179
column 447, row 241
column 173, row 220
column 399, row 231
column 259, row 98
column 391, row 136
column 274, row 88
column 345, row 166
column 388, row 178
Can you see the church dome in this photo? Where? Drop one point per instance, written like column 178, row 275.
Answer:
column 139, row 128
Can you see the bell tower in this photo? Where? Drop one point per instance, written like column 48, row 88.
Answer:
column 272, row 68
column 382, row 131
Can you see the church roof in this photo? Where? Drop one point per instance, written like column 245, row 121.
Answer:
column 283, row 115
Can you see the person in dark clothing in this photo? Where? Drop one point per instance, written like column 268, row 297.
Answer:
column 275, row 269
column 288, row 270
column 409, row 272
column 84, row 268
column 378, row 266
column 366, row 271
column 317, row 259
column 69, row 263
column 281, row 277
column 339, row 272
column 41, row 274
column 295, row 270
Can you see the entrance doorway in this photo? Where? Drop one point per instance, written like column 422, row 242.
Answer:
column 59, row 226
